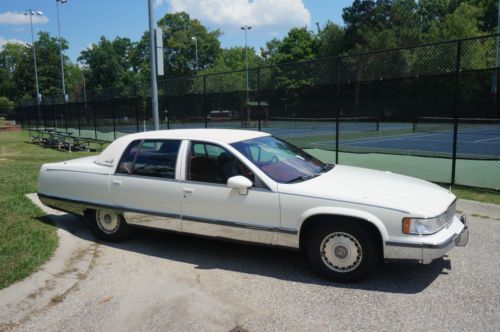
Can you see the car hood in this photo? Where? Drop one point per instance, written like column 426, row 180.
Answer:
column 378, row 188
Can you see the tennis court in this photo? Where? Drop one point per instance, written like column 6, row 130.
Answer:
column 476, row 138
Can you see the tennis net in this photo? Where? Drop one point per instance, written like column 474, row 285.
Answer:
column 345, row 123
column 466, row 126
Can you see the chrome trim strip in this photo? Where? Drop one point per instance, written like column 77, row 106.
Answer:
column 239, row 225
column 341, row 201
column 111, row 207
column 73, row 171
column 153, row 221
column 422, row 245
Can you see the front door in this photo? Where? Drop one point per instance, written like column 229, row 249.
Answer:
column 145, row 187
column 211, row 208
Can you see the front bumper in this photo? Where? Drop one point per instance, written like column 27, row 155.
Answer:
column 426, row 252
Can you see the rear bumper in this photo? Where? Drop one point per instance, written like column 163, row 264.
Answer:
column 427, row 252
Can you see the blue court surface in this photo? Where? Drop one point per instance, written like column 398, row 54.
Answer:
column 471, row 143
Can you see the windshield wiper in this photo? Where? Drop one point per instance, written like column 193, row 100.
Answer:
column 303, row 177
column 327, row 167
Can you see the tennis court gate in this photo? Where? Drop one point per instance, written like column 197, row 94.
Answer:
column 428, row 111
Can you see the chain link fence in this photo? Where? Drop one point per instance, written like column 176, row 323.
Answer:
column 428, row 111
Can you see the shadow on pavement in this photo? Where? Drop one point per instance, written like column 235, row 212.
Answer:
column 206, row 254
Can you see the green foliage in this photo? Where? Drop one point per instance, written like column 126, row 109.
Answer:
column 6, row 105
column 461, row 23
column 298, row 44
column 181, row 35
column 111, row 63
column 331, row 40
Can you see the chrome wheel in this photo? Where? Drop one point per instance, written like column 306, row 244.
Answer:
column 341, row 252
column 107, row 221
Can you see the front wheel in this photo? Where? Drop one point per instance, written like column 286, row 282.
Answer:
column 342, row 252
column 108, row 225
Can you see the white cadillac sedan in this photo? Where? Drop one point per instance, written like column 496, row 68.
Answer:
column 250, row 186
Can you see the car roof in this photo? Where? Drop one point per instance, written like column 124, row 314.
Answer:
column 228, row 136
column 221, row 135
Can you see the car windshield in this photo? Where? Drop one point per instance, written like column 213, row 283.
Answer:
column 281, row 161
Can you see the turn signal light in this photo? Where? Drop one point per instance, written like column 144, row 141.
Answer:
column 406, row 225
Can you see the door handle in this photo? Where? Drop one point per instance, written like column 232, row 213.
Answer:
column 188, row 190
column 117, row 182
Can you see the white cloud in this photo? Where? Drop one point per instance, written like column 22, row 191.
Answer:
column 235, row 13
column 19, row 18
column 4, row 41
column 160, row 3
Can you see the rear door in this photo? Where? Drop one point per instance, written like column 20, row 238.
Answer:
column 145, row 186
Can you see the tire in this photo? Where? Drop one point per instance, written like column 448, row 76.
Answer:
column 108, row 225
column 342, row 252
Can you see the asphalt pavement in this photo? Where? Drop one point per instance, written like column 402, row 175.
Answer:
column 166, row 282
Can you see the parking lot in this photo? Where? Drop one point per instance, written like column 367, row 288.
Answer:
column 162, row 281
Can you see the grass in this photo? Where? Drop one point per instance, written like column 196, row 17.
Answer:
column 2, row 121
column 477, row 195
column 25, row 241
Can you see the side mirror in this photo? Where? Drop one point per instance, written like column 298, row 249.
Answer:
column 239, row 182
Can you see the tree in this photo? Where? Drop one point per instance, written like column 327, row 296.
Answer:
column 331, row 40
column 10, row 58
column 461, row 23
column 381, row 24
column 6, row 106
column 110, row 63
column 299, row 44
column 48, row 65
column 180, row 50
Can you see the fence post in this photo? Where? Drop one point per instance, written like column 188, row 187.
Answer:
column 78, row 118
column 165, row 103
column 54, row 119
column 66, row 116
column 113, row 116
column 337, row 125
column 259, row 113
column 205, row 100
column 44, row 117
column 95, row 122
column 136, row 110
column 456, row 106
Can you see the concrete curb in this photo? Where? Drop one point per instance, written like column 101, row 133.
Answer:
column 71, row 262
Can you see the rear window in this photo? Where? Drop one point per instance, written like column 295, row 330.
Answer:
column 156, row 158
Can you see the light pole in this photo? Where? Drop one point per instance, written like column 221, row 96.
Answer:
column 82, row 66
column 246, row 28
column 30, row 13
column 196, row 50
column 154, row 86
column 495, row 74
column 65, row 96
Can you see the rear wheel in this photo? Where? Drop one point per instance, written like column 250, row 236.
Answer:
column 342, row 252
column 109, row 225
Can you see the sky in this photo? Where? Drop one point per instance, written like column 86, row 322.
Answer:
column 83, row 22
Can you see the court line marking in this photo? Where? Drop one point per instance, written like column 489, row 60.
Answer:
column 486, row 140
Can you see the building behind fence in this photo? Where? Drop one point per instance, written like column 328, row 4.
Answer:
column 428, row 111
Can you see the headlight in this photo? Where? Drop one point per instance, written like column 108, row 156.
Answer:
column 427, row 226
